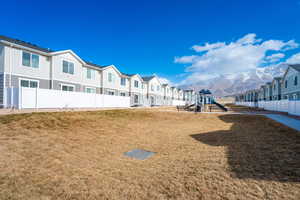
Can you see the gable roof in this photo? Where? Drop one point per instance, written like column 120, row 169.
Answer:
column 25, row 44
column 148, row 78
column 296, row 67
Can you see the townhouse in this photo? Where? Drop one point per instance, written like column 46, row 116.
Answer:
column 286, row 87
column 167, row 94
column 290, row 83
column 155, row 91
column 24, row 64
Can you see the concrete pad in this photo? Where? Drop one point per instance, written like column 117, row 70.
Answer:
column 290, row 122
column 139, row 154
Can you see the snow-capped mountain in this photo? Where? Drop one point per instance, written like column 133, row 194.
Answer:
column 230, row 84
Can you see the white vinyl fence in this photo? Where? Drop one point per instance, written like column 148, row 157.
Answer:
column 289, row 106
column 178, row 103
column 45, row 98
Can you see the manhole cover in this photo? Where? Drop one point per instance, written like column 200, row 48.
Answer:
column 139, row 154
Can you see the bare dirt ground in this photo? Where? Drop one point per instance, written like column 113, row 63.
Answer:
column 79, row 155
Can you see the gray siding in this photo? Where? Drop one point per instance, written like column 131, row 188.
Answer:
column 1, row 88
column 15, row 81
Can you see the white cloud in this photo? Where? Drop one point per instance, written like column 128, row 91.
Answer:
column 242, row 55
column 295, row 59
column 186, row 59
column 165, row 81
column 274, row 57
column 208, row 46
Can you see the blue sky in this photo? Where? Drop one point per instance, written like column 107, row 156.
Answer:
column 147, row 37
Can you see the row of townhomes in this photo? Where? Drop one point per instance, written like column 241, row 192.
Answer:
column 25, row 65
column 282, row 94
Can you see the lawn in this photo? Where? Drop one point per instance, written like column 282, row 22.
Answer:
column 80, row 155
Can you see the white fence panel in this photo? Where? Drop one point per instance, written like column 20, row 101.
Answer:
column 115, row 101
column 178, row 103
column 28, row 98
column 45, row 98
column 291, row 107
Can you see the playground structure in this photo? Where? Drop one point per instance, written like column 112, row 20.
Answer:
column 205, row 102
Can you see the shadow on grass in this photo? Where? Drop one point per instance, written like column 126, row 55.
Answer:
column 258, row 148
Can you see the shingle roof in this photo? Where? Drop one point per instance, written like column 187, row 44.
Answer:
column 296, row 67
column 95, row 65
column 25, row 44
column 147, row 78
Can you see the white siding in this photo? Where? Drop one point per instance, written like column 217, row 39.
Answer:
column 58, row 73
column 133, row 88
column 116, row 84
column 13, row 65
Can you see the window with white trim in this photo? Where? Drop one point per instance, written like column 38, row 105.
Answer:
column 29, row 83
column 30, row 60
column 152, row 87
column 157, row 88
column 69, row 88
column 123, row 81
column 68, row 67
column 111, row 77
column 123, row 94
column 111, row 93
column 136, row 84
column 90, row 73
column 90, row 90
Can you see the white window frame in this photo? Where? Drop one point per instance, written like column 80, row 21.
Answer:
column 112, row 91
column 30, row 60
column 92, row 88
column 123, row 78
column 93, row 73
column 123, row 93
column 68, row 85
column 136, row 83
column 112, row 77
column 62, row 64
column 25, row 79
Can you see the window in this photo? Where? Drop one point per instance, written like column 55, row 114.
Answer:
column 123, row 81
column 152, row 88
column 30, row 60
column 90, row 90
column 158, row 88
column 90, row 73
column 29, row 83
column 69, row 88
column 136, row 99
column 123, row 94
column 111, row 93
column 285, row 83
column 136, row 84
column 68, row 67
column 142, row 85
column 111, row 77
column 274, row 87
column 296, row 80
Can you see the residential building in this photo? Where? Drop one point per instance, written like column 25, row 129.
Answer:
column 276, row 88
column 154, row 90
column 290, row 83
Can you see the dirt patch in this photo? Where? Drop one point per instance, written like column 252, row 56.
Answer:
column 80, row 155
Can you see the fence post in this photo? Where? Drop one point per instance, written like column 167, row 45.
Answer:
column 36, row 98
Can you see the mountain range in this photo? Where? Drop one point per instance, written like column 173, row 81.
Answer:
column 230, row 84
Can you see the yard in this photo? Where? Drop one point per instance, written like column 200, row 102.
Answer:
column 80, row 155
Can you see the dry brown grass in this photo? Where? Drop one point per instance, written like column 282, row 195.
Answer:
column 79, row 155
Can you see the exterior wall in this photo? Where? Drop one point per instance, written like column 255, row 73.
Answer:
column 115, row 85
column 174, row 93
column 155, row 95
column 13, row 65
column 291, row 89
column 2, row 58
column 276, row 87
column 1, row 74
